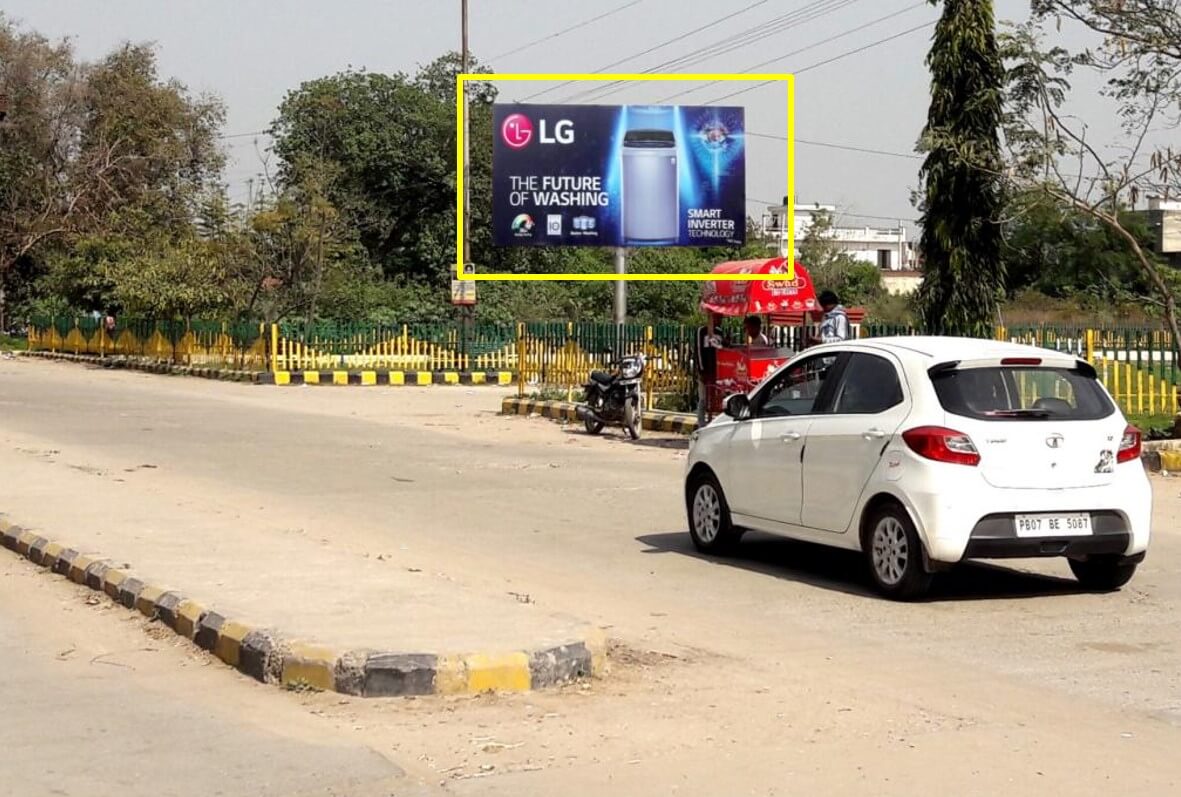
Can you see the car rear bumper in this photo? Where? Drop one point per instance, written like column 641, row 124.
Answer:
column 965, row 521
column 1029, row 547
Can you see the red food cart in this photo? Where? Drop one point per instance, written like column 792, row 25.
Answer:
column 741, row 367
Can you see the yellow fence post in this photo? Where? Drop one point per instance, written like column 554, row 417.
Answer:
column 520, row 360
column 274, row 348
column 648, row 355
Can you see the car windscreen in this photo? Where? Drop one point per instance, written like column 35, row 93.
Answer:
column 1033, row 393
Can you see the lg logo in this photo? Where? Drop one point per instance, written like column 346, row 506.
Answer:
column 517, row 131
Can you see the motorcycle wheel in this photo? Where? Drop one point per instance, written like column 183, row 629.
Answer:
column 592, row 426
column 631, row 418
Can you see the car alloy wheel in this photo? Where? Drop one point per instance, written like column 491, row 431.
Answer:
column 710, row 526
column 894, row 554
column 707, row 513
column 890, row 552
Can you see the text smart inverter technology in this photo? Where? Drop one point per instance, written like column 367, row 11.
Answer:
column 651, row 190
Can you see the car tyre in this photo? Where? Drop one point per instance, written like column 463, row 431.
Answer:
column 894, row 554
column 1103, row 573
column 710, row 526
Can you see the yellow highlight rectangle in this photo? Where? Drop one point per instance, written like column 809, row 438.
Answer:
column 368, row 377
column 282, row 377
column 479, row 377
column 451, row 378
column 506, row 377
column 311, row 377
column 786, row 77
column 340, row 377
column 397, row 377
column 424, row 377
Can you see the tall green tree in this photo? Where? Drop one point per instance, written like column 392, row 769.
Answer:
column 961, row 205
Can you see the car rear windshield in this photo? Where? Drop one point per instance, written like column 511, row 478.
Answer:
column 1021, row 393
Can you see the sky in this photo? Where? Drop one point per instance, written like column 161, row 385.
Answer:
column 861, row 81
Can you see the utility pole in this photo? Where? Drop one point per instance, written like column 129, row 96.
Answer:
column 620, row 286
column 467, row 174
column 466, row 312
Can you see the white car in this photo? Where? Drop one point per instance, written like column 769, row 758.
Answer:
column 925, row 451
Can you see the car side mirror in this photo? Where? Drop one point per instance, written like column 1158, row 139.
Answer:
column 737, row 406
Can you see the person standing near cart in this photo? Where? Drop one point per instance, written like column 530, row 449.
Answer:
column 706, row 362
column 834, row 327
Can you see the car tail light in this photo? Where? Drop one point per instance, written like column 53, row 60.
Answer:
column 942, row 445
column 1129, row 445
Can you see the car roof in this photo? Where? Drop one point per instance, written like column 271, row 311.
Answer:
column 940, row 349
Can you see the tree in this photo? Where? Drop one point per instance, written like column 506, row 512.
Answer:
column 296, row 254
column 391, row 140
column 1139, row 62
column 94, row 150
column 963, row 277
column 39, row 192
column 1059, row 251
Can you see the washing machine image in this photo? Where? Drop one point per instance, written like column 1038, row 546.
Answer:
column 651, row 188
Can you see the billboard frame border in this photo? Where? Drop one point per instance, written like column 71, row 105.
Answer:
column 786, row 78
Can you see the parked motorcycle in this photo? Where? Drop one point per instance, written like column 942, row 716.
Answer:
column 613, row 397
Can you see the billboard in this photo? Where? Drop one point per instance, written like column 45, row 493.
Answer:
column 618, row 175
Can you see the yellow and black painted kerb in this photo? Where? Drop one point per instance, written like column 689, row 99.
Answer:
column 268, row 656
column 394, row 378
column 673, row 422
column 389, row 378
column 152, row 366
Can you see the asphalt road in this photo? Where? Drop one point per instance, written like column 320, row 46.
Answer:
column 97, row 702
column 771, row 672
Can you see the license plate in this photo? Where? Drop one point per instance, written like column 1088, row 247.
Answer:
column 1069, row 525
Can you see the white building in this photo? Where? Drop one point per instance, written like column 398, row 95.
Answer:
column 1164, row 220
column 885, row 247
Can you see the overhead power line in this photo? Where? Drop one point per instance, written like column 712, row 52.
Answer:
column 833, row 145
column 826, row 61
column 564, row 31
column 245, row 135
column 813, row 46
column 744, row 38
column 654, row 48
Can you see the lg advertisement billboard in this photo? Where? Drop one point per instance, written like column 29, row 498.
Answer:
column 612, row 175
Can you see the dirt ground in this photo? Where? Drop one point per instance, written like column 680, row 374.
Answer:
column 774, row 672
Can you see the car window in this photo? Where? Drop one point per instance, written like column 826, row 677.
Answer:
column 795, row 390
column 1026, row 393
column 869, row 385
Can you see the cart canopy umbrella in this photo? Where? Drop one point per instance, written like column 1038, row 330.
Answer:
column 758, row 297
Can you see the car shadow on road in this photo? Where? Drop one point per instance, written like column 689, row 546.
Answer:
column 621, row 438
column 844, row 571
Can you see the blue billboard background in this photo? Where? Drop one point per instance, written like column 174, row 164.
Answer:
column 611, row 175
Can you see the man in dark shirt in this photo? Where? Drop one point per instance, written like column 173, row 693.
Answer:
column 705, row 359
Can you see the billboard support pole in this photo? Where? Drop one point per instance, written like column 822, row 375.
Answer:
column 467, row 176
column 620, row 286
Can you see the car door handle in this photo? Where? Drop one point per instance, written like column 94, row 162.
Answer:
column 789, row 437
column 873, row 434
